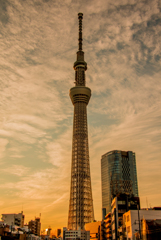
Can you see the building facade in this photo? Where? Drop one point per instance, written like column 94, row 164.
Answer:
column 14, row 219
column 76, row 234
column 151, row 229
column 120, row 205
column 58, row 232
column 94, row 229
column 81, row 202
column 35, row 226
column 132, row 221
column 118, row 175
column 107, row 227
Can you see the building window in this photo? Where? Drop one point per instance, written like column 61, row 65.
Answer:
column 128, row 218
column 121, row 202
column 128, row 229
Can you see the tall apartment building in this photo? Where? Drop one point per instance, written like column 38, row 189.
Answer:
column 118, row 176
column 35, row 226
column 14, row 219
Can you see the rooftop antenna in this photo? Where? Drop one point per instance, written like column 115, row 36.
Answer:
column 147, row 202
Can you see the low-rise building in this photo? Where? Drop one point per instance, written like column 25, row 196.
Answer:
column 151, row 229
column 75, row 234
column 132, row 221
column 121, row 204
column 14, row 219
column 16, row 233
column 93, row 227
column 4, row 228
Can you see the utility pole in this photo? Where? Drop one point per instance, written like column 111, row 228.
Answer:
column 115, row 224
column 139, row 222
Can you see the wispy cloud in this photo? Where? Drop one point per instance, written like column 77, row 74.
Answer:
column 3, row 144
column 16, row 169
column 55, row 202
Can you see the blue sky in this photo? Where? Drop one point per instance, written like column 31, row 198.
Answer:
column 38, row 39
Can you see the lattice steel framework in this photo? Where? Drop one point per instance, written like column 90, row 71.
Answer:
column 81, row 203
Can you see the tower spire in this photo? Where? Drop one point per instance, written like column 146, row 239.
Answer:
column 80, row 66
column 80, row 17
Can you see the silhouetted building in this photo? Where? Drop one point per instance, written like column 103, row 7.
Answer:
column 81, row 202
column 4, row 229
column 35, row 226
column 58, row 232
column 118, row 175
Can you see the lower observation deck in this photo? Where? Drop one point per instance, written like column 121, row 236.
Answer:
column 80, row 94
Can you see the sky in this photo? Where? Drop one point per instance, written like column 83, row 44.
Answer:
column 38, row 42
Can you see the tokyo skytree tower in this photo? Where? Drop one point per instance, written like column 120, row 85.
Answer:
column 81, row 202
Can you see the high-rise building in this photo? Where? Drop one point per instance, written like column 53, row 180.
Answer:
column 81, row 203
column 118, row 176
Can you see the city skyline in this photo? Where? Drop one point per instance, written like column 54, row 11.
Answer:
column 121, row 41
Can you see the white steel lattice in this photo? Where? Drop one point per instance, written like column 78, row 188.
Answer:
column 81, row 203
